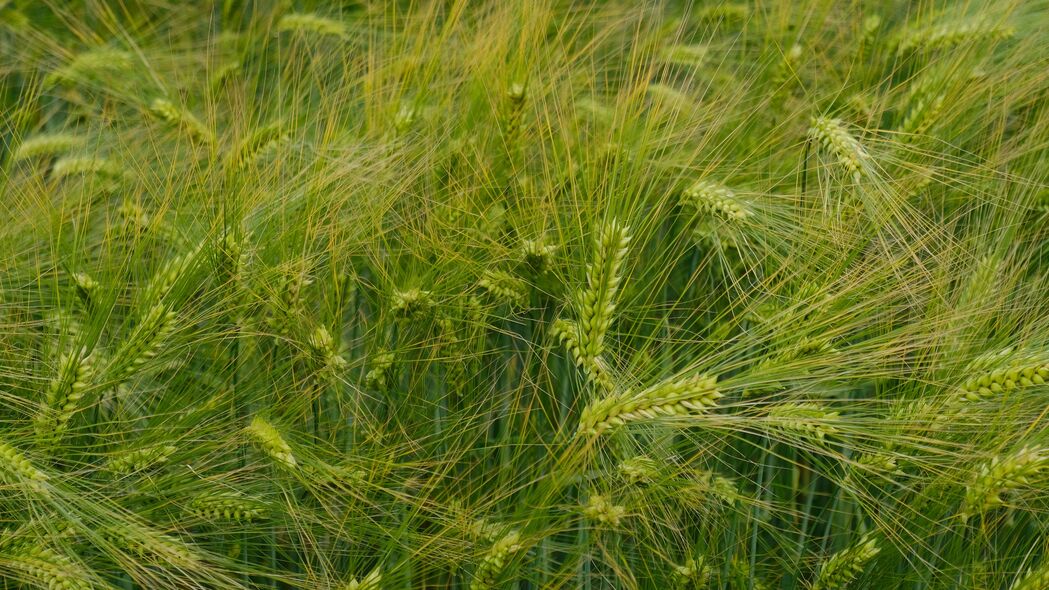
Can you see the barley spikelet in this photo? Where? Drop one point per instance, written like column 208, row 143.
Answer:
column 143, row 541
column 260, row 141
column 693, row 573
column 311, row 23
column 492, row 565
column 143, row 344
column 840, row 569
column 567, row 333
column 50, row 144
column 1003, row 474
column 86, row 289
column 725, row 13
column 142, row 459
column 685, row 55
column 89, row 66
column 64, row 395
column 786, row 72
column 223, row 74
column 947, row 35
column 405, row 117
column 227, row 505
column 876, row 464
column 269, row 439
column 925, row 105
column 807, row 418
column 380, row 375
column 677, row 397
column 833, row 135
column 372, row 581
column 411, row 304
column 166, row 111
column 1035, row 579
column 163, row 282
column 49, row 568
column 601, row 510
column 15, row 463
column 638, row 470
column 708, row 484
column 597, row 302
column 1020, row 374
column 324, row 350
column 537, row 255
column 709, row 197
column 288, row 304
column 504, row 287
column 516, row 99
column 86, row 165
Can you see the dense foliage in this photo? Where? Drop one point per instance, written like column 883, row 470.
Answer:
column 524, row 294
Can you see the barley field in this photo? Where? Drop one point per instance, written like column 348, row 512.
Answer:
column 524, row 294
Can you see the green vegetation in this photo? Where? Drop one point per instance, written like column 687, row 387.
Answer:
column 526, row 294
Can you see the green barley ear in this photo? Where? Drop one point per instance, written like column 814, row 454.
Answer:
column 324, row 350
column 142, row 459
column 91, row 66
column 674, row 397
column 808, row 418
column 180, row 118
column 709, row 484
column 411, row 304
column 227, row 506
column 47, row 567
column 567, row 333
column 63, row 396
column 597, row 302
column 685, row 55
column 1034, row 579
column 693, row 573
column 871, row 26
column 785, row 76
column 380, row 375
column 86, row 166
column 372, row 581
column 133, row 216
column 14, row 463
column 537, row 255
column 948, row 35
column 1020, row 373
column 142, row 344
column 51, row 144
column 1003, row 474
column 924, row 106
column 288, row 303
column 601, row 510
column 305, row 23
column 86, row 289
column 405, row 117
column 261, row 141
column 834, row 136
column 142, row 541
column 504, row 287
column 269, row 439
column 875, row 464
column 638, row 470
column 492, row 565
column 712, row 198
column 223, row 74
column 840, row 569
column 163, row 282
column 723, row 13
column 512, row 126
